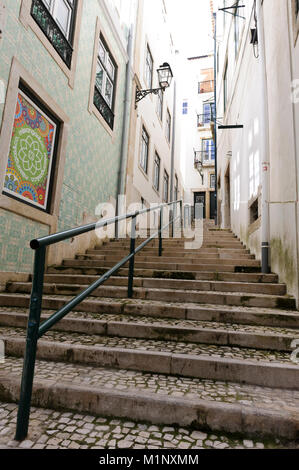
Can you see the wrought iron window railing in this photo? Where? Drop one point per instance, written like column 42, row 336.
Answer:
column 50, row 28
column 203, row 157
column 103, row 108
column 204, row 120
column 206, row 86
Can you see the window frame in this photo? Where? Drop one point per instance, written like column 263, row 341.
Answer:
column 107, row 78
column 92, row 108
column 149, row 67
column 144, row 159
column 210, row 150
column 157, row 174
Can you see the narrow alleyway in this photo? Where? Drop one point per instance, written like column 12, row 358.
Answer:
column 202, row 353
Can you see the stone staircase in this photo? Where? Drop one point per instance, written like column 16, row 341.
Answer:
column 204, row 343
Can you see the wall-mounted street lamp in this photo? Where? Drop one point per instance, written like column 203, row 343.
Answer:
column 165, row 77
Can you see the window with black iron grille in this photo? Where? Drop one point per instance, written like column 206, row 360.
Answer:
column 105, row 84
column 56, row 18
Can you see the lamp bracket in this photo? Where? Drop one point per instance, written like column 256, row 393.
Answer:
column 140, row 94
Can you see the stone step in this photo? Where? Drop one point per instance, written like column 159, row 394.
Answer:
column 172, row 253
column 249, row 366
column 192, row 275
column 178, row 258
column 158, row 398
column 179, row 243
column 166, row 295
column 189, row 331
column 155, row 309
column 223, row 267
column 163, row 259
column 276, row 289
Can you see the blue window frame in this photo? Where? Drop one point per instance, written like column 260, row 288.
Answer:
column 208, row 148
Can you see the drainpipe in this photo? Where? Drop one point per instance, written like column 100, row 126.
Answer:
column 264, row 132
column 173, row 210
column 121, row 179
column 215, row 119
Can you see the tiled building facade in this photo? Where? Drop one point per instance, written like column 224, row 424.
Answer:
column 59, row 83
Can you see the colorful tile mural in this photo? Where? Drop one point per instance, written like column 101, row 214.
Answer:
column 31, row 154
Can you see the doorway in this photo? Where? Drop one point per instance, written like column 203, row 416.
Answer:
column 199, row 198
column 212, row 205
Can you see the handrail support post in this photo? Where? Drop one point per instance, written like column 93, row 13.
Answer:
column 132, row 260
column 160, row 231
column 31, row 345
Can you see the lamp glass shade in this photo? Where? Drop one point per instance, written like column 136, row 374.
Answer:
column 165, row 75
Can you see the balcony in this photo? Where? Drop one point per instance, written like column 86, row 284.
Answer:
column 50, row 28
column 204, row 158
column 206, row 87
column 204, row 120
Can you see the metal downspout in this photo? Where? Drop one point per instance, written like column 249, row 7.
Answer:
column 265, row 222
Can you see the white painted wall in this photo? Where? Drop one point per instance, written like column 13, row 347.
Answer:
column 282, row 65
column 155, row 32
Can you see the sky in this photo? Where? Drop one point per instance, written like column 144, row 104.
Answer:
column 191, row 25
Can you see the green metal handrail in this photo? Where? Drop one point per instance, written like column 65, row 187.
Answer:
column 36, row 331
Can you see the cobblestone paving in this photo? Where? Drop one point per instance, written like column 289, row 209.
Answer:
column 53, row 429
column 163, row 385
column 168, row 322
column 162, row 346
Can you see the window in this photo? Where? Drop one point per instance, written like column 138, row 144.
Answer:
column 185, row 107
column 225, row 87
column 144, row 150
column 105, row 83
column 149, row 64
column 207, row 113
column 208, row 148
column 32, row 153
column 160, row 104
column 212, row 181
column 56, row 19
column 168, row 126
column 157, row 164
column 165, row 186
